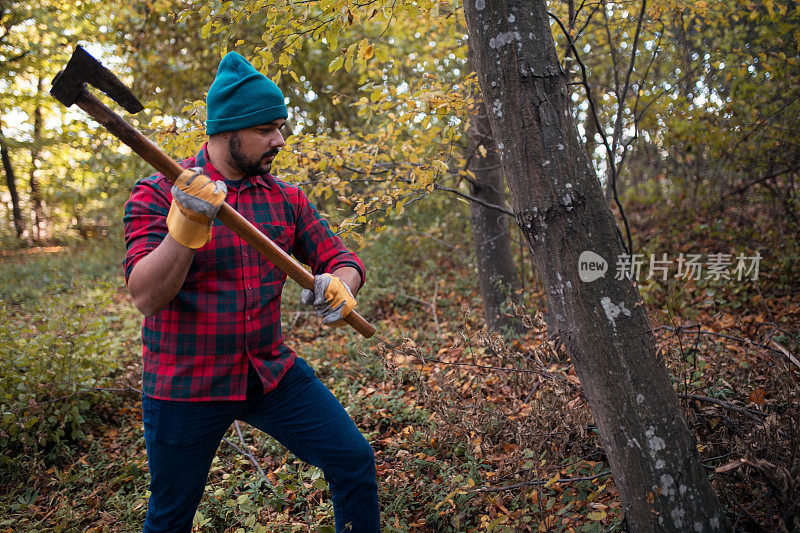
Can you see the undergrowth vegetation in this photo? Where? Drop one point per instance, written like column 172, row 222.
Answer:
column 472, row 430
column 64, row 335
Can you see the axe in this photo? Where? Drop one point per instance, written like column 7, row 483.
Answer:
column 69, row 87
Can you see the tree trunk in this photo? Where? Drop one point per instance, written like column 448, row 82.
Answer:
column 36, row 195
column 497, row 274
column 591, row 131
column 11, row 182
column 558, row 203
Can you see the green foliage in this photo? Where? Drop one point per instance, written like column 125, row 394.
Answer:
column 379, row 96
column 67, row 170
column 28, row 277
column 62, row 338
column 375, row 120
column 712, row 98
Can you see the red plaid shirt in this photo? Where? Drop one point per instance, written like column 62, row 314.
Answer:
column 227, row 313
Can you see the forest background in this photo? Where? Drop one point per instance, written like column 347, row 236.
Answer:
column 688, row 111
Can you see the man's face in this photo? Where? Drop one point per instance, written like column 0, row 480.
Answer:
column 252, row 150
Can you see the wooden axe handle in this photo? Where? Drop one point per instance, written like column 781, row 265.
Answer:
column 162, row 162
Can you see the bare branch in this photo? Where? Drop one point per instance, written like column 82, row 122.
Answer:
column 758, row 416
column 473, row 199
column 609, row 153
column 540, row 482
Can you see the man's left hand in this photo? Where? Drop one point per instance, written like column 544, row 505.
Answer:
column 331, row 298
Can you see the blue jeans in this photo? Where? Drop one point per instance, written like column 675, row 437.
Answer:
column 301, row 413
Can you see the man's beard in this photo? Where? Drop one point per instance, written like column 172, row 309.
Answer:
column 248, row 166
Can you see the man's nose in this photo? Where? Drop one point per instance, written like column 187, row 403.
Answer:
column 277, row 140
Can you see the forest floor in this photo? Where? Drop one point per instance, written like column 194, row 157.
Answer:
column 472, row 431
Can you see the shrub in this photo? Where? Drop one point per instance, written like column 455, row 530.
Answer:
column 59, row 348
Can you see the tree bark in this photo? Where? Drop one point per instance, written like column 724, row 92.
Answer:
column 497, row 274
column 36, row 194
column 558, row 203
column 591, row 131
column 11, row 182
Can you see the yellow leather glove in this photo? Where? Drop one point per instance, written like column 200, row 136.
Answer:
column 195, row 202
column 331, row 298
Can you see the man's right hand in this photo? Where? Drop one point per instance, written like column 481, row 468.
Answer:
column 195, row 202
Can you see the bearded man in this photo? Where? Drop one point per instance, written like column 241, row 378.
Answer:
column 213, row 350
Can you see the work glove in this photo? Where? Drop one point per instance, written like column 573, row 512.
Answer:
column 195, row 202
column 331, row 298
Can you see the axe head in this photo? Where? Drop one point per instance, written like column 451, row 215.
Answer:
column 82, row 69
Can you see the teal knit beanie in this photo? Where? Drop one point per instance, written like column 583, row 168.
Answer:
column 241, row 97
